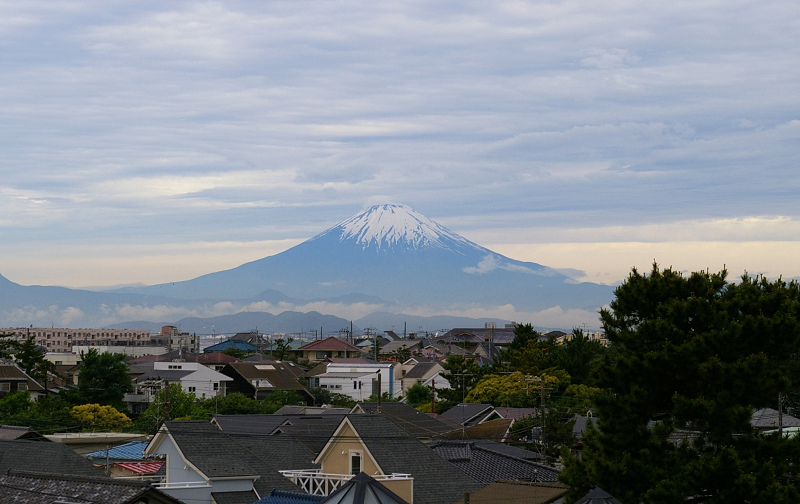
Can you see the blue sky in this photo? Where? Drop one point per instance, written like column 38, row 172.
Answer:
column 157, row 141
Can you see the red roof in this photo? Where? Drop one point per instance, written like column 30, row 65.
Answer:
column 141, row 467
column 330, row 344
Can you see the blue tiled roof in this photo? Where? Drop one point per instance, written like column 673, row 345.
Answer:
column 283, row 497
column 237, row 344
column 130, row 451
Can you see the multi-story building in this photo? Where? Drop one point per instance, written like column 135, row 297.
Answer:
column 176, row 340
column 56, row 339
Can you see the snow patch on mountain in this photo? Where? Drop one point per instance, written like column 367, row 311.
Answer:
column 387, row 227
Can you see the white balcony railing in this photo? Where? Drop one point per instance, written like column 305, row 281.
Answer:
column 182, row 485
column 315, row 482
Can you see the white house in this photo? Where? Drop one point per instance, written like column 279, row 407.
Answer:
column 193, row 377
column 360, row 380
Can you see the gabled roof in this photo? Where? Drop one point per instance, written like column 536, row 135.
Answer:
column 598, row 496
column 277, row 375
column 397, row 451
column 217, row 454
column 330, row 344
column 421, row 370
column 486, row 465
column 468, row 414
column 28, row 456
column 395, row 345
column 516, row 413
column 9, row 371
column 40, row 488
column 232, row 343
column 312, row 431
column 417, row 423
column 11, row 432
column 363, row 489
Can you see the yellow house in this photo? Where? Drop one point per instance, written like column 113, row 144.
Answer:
column 376, row 445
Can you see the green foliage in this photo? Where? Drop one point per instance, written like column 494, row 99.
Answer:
column 103, row 380
column 515, row 390
column 418, row 394
column 578, row 356
column 14, row 404
column 181, row 405
column 237, row 352
column 31, row 359
column 8, row 345
column 462, row 373
column 385, row 397
column 694, row 353
column 282, row 350
column 324, row 396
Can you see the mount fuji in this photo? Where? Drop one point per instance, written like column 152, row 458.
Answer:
column 396, row 254
column 387, row 259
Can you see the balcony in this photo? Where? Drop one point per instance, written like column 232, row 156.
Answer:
column 315, row 482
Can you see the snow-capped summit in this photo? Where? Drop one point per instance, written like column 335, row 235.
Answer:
column 393, row 227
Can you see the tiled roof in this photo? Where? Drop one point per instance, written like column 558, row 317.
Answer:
column 236, row 344
column 395, row 345
column 11, row 432
column 28, row 456
column 249, row 424
column 421, row 370
column 247, row 497
column 417, row 423
column 219, row 454
column 518, row 492
column 397, row 451
column 37, row 488
column 330, row 344
column 133, row 450
column 487, row 466
column 283, row 497
column 767, row 418
column 311, row 431
column 278, row 373
column 468, row 414
column 517, row 413
column 11, row 372
column 597, row 496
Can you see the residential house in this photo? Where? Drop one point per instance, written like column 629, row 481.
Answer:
column 428, row 374
column 205, row 465
column 260, row 379
column 598, row 496
column 56, row 458
column 126, row 461
column 320, row 350
column 472, row 414
column 193, row 377
column 363, row 489
column 376, row 445
column 14, row 379
column 27, row 487
column 390, row 349
column 12, row 432
column 233, row 344
column 359, row 381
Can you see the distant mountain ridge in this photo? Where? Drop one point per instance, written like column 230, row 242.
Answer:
column 387, row 258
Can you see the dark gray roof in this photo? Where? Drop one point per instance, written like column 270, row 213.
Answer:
column 420, row 370
column 234, row 497
column 397, row 451
column 29, row 456
column 283, row 497
column 312, row 431
column 468, row 414
column 36, row 488
column 598, row 496
column 418, row 424
column 487, row 466
column 219, row 454
column 11, row 432
column 511, row 451
column 249, row 424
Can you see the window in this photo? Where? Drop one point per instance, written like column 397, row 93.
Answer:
column 5, row 387
column 192, row 389
column 355, row 462
column 22, row 386
column 216, row 385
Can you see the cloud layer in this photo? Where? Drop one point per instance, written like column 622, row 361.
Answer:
column 156, row 141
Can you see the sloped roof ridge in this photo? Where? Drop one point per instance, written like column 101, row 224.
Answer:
column 100, row 478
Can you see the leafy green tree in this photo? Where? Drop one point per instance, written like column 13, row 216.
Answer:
column 14, row 404
column 693, row 353
column 578, row 356
column 514, row 390
column 181, row 405
column 30, row 358
column 282, row 349
column 8, row 346
column 462, row 373
column 418, row 394
column 237, row 352
column 324, row 396
column 103, row 379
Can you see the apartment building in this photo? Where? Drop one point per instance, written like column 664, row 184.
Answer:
column 59, row 339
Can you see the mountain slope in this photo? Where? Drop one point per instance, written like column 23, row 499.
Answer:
column 394, row 253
